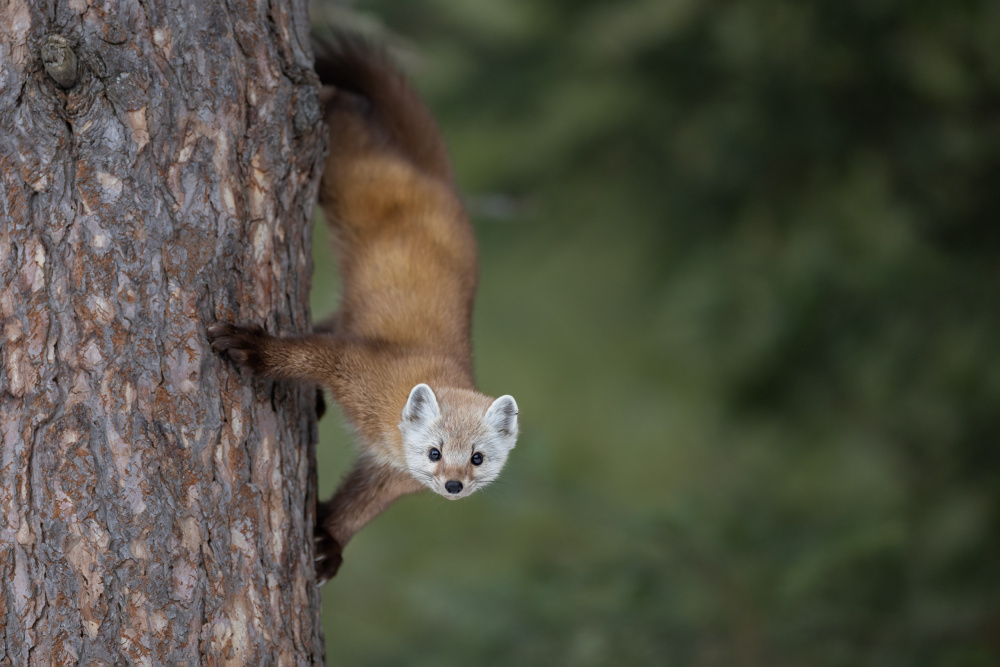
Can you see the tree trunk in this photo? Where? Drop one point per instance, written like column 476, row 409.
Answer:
column 158, row 167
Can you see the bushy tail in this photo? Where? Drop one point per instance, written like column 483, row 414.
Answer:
column 352, row 64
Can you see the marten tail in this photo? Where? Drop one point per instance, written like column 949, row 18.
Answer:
column 390, row 107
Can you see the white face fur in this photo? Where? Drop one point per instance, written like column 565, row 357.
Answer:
column 459, row 445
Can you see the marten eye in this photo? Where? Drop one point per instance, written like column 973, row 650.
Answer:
column 435, row 454
column 477, row 458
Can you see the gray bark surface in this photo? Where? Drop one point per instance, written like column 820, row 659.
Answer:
column 158, row 176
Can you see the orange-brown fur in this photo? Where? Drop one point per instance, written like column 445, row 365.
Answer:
column 407, row 256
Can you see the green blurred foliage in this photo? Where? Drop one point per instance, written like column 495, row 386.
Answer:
column 740, row 270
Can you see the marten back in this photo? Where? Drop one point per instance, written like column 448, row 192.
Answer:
column 406, row 251
column 355, row 65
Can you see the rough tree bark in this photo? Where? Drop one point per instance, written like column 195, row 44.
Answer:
column 158, row 164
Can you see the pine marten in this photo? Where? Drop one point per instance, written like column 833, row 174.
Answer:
column 397, row 354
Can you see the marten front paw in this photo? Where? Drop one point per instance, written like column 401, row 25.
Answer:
column 244, row 345
column 329, row 555
column 328, row 550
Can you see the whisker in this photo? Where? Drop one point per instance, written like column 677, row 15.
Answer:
column 424, row 477
column 499, row 488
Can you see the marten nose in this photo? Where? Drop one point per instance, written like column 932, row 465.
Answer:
column 454, row 486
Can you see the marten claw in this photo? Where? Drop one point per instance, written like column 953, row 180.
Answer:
column 241, row 344
column 329, row 556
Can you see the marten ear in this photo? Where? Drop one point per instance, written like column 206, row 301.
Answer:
column 421, row 406
column 502, row 416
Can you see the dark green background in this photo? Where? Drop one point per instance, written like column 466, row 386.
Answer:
column 740, row 271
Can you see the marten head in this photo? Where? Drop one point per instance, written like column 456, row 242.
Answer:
column 458, row 445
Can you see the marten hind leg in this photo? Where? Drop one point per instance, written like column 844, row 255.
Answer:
column 310, row 358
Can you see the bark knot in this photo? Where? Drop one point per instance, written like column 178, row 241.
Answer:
column 59, row 60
